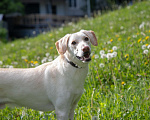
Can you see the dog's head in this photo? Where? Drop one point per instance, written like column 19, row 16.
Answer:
column 76, row 46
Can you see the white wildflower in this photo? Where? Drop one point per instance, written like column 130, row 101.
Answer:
column 101, row 65
column 114, row 48
column 55, row 56
column 102, row 52
column 148, row 46
column 114, row 54
column 47, row 54
column 109, row 56
column 12, row 45
column 46, row 46
column 109, row 42
column 44, row 60
column 141, row 26
column 143, row 47
column 145, row 51
column 1, row 62
column 10, row 66
column 24, row 57
column 103, row 56
column 96, row 56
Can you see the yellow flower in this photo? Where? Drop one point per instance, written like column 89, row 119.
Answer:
column 31, row 62
column 146, row 45
column 50, row 34
column 146, row 63
column 117, row 35
column 149, row 31
column 26, row 60
column 122, row 83
column 139, row 40
column 51, row 48
column 35, row 62
column 127, row 59
column 147, row 37
column 137, row 33
column 119, row 39
column 111, row 40
column 127, row 55
column 129, row 38
column 111, row 51
column 93, row 56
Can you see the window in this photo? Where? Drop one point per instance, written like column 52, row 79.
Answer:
column 32, row 8
column 73, row 3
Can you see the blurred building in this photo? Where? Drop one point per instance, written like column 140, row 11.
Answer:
column 42, row 15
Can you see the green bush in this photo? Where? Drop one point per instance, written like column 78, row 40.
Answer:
column 3, row 34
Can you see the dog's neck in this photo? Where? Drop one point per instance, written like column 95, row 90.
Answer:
column 72, row 60
column 73, row 64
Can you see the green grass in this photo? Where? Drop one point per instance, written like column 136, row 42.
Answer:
column 117, row 88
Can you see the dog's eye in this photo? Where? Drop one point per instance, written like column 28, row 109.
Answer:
column 86, row 38
column 73, row 43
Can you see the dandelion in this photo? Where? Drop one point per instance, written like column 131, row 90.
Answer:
column 10, row 66
column 146, row 63
column 139, row 40
column 50, row 35
column 129, row 38
column 143, row 47
column 127, row 55
column 109, row 56
column 111, row 40
column 114, row 48
column 145, row 51
column 32, row 62
column 35, row 62
column 26, row 60
column 96, row 56
column 101, row 65
column 122, row 83
column 108, row 42
column 51, row 48
column 102, row 52
column 119, row 39
column 12, row 45
column 103, row 56
column 114, row 54
column 117, row 35
column 147, row 37
column 141, row 26
column 47, row 54
column 148, row 46
column 110, row 51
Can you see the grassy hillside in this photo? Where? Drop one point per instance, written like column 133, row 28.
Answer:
column 117, row 86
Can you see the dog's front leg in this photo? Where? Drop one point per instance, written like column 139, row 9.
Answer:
column 62, row 113
column 71, row 114
column 63, row 106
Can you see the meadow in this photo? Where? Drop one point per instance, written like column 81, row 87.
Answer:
column 118, row 83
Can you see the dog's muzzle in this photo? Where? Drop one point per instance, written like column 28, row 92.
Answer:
column 86, row 55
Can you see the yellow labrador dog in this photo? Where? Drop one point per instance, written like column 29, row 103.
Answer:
column 57, row 85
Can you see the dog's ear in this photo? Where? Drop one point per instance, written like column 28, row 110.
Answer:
column 92, row 36
column 61, row 44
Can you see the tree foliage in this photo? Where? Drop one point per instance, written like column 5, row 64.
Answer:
column 10, row 6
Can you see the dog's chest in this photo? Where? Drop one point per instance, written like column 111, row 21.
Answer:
column 75, row 80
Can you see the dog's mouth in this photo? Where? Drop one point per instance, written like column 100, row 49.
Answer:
column 85, row 58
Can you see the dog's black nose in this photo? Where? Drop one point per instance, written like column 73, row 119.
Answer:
column 86, row 49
